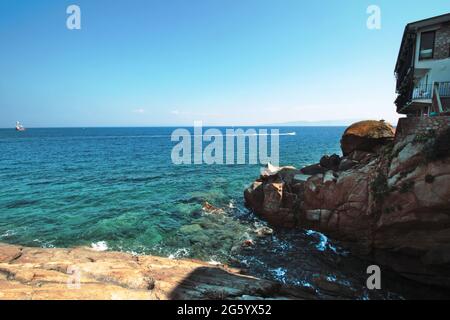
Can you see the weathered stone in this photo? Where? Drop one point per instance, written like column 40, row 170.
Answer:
column 254, row 196
column 409, row 156
column 313, row 169
column 273, row 196
column 329, row 176
column 9, row 253
column 84, row 274
column 248, row 243
column 366, row 136
column 330, row 162
column 289, row 200
column 347, row 164
column 301, row 177
column 313, row 215
column 209, row 208
column 263, row 231
column 360, row 156
column 325, row 216
column 395, row 200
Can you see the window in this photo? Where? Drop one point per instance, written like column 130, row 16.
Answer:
column 427, row 45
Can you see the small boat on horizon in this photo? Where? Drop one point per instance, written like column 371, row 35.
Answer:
column 19, row 127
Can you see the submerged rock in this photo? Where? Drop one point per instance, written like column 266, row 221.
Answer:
column 209, row 208
column 263, row 231
column 248, row 243
column 192, row 228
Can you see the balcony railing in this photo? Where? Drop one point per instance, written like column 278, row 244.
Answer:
column 444, row 89
column 424, row 91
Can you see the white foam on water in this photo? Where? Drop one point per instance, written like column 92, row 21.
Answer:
column 305, row 284
column 179, row 253
column 323, row 241
column 7, row 233
column 99, row 246
column 279, row 274
column 214, row 262
column 44, row 244
column 331, row 278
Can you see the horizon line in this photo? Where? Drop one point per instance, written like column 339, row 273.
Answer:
column 301, row 123
column 173, row 126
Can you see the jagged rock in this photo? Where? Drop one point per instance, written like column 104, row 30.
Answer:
column 360, row 156
column 254, row 196
column 248, row 243
column 313, row 215
column 347, row 164
column 330, row 162
column 263, row 231
column 273, row 196
column 209, row 208
column 408, row 156
column 394, row 203
column 299, row 178
column 313, row 169
column 366, row 136
column 271, row 170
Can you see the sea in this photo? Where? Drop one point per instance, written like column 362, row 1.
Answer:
column 118, row 189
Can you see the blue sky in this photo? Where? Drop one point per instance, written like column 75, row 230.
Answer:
column 226, row 62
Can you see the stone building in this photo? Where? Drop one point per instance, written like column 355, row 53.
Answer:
column 423, row 68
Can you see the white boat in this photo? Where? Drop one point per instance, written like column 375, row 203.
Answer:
column 19, row 127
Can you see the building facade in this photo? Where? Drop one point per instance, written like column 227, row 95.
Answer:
column 423, row 68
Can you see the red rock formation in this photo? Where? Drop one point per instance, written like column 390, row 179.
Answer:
column 393, row 204
column 366, row 136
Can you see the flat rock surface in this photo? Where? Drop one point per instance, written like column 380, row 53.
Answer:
column 85, row 274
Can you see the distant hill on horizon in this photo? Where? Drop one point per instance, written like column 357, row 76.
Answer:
column 322, row 123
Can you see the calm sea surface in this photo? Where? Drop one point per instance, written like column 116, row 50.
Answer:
column 117, row 188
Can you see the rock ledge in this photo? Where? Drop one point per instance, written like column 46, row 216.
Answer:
column 85, row 274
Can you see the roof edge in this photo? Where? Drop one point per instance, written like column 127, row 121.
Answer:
column 419, row 24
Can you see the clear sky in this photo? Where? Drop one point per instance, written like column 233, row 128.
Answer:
column 226, row 62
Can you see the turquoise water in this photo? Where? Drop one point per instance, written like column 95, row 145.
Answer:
column 117, row 188
column 68, row 187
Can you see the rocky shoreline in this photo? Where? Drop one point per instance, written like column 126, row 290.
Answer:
column 86, row 274
column 387, row 198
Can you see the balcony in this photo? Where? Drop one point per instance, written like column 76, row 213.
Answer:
column 423, row 92
column 444, row 89
column 425, row 99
